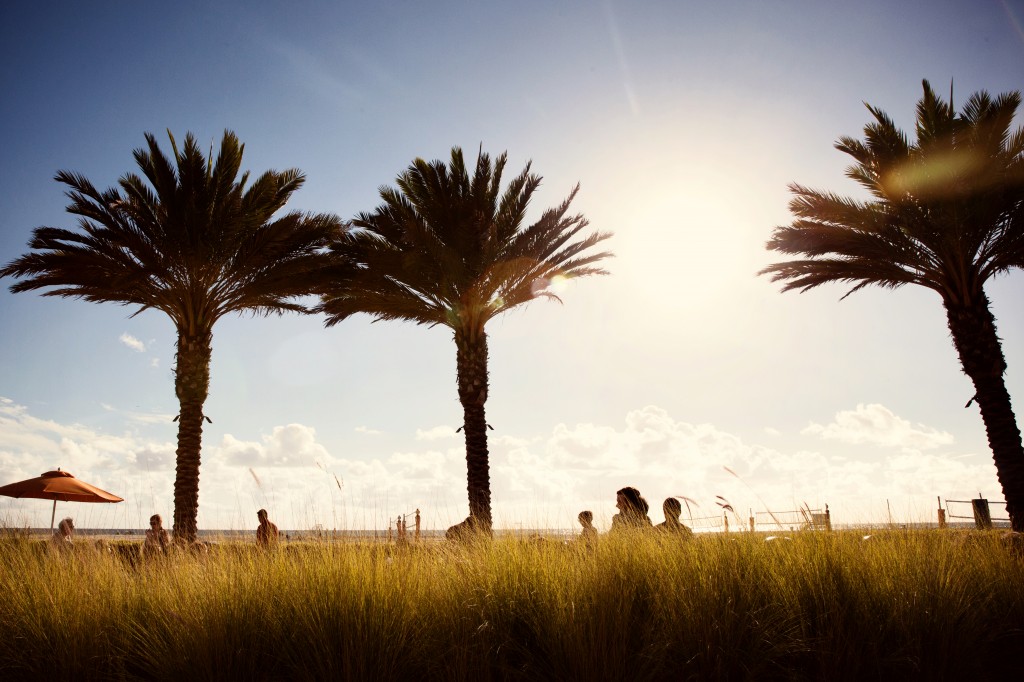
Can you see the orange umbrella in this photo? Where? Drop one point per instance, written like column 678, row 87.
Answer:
column 58, row 485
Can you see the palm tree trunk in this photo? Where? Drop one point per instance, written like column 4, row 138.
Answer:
column 974, row 334
column 192, row 384
column 471, row 366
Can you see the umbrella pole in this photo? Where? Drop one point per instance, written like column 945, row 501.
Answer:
column 53, row 515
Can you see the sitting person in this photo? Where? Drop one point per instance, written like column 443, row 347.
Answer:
column 632, row 511
column 61, row 541
column 157, row 542
column 589, row 534
column 467, row 530
column 673, row 509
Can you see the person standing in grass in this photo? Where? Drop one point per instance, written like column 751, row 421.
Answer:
column 157, row 539
column 672, row 525
column 267, row 534
column 633, row 510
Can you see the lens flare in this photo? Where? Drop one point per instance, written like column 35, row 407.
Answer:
column 556, row 285
column 1014, row 20
column 559, row 283
column 955, row 170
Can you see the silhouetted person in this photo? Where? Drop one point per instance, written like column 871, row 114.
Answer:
column 673, row 509
column 632, row 511
column 157, row 540
column 463, row 531
column 589, row 534
column 61, row 541
column 267, row 534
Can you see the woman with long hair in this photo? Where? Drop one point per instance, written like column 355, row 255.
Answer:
column 633, row 510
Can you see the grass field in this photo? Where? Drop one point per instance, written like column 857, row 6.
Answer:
column 805, row 606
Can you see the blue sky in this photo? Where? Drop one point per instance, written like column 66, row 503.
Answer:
column 683, row 123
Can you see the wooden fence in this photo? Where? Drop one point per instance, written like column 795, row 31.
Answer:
column 981, row 512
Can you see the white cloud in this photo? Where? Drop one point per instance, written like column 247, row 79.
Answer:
column 877, row 425
column 436, row 433
column 156, row 457
column 149, row 417
column 49, row 444
column 368, row 431
column 293, row 445
column 140, row 417
column 132, row 342
column 155, row 362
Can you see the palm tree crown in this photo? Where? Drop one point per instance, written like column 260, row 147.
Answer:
column 945, row 212
column 190, row 239
column 448, row 248
column 195, row 243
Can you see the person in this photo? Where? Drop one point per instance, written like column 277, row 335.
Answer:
column 267, row 534
column 157, row 540
column 633, row 510
column 589, row 534
column 463, row 531
column 61, row 539
column 673, row 509
column 199, row 548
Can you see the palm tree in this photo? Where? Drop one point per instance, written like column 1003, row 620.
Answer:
column 946, row 212
column 449, row 249
column 195, row 243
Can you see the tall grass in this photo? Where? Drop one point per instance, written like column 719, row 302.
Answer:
column 913, row 605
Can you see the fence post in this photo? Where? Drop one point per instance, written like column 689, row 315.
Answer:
column 403, row 538
column 942, row 513
column 828, row 519
column 726, row 517
column 982, row 517
column 751, row 520
column 417, row 525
